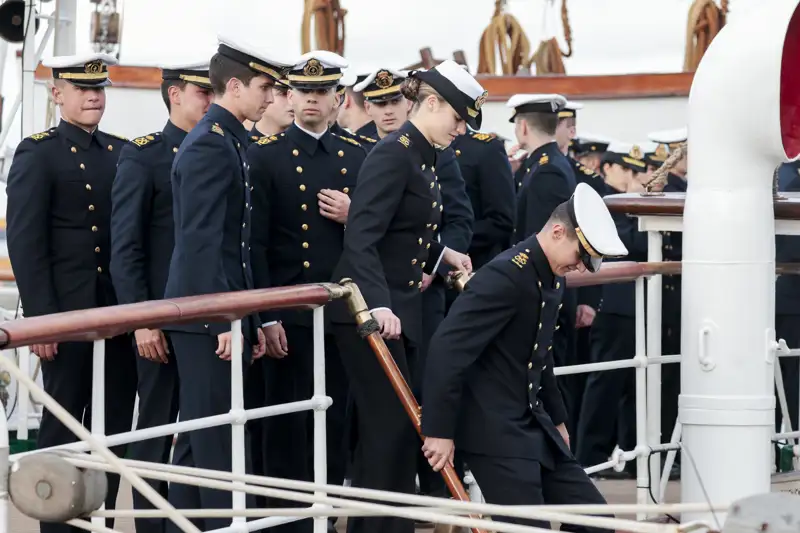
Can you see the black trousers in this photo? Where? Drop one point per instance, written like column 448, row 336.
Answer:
column 288, row 440
column 385, row 456
column 254, row 397
column 608, row 410
column 205, row 390
column 519, row 481
column 576, row 383
column 158, row 389
column 68, row 379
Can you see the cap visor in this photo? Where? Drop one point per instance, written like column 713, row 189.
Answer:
column 104, row 83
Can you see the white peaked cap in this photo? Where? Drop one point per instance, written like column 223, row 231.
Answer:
column 82, row 70
column 596, row 230
column 78, row 60
column 329, row 60
column 372, row 75
column 673, row 136
column 459, row 89
column 573, row 106
column 648, row 147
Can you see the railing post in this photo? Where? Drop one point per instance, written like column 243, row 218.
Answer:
column 237, row 423
column 320, row 408
column 642, row 478
column 98, row 402
column 23, row 395
column 654, row 243
column 4, row 452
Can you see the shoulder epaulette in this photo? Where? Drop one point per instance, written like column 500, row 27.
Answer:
column 267, row 139
column 117, row 136
column 368, row 139
column 404, row 140
column 217, row 129
column 147, row 140
column 254, row 138
column 346, row 139
column 44, row 135
column 586, row 170
column 521, row 259
column 483, row 137
column 544, row 159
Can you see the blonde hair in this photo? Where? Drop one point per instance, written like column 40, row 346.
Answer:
column 418, row 91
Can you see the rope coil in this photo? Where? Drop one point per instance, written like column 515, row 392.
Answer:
column 705, row 22
column 659, row 178
column 329, row 32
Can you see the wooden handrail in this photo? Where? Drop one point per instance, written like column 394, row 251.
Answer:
column 6, row 274
column 787, row 205
column 107, row 322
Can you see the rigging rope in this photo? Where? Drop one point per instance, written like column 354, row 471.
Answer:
column 659, row 177
column 328, row 18
column 705, row 22
column 504, row 37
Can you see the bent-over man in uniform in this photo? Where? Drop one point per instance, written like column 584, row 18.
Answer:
column 489, row 385
column 59, row 205
column 142, row 237
column 211, row 190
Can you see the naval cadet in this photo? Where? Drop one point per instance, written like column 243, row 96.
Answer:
column 352, row 115
column 490, row 388
column 490, row 187
column 278, row 115
column 549, row 181
column 303, row 179
column 389, row 243
column 608, row 407
column 142, row 237
column 59, row 209
column 589, row 149
column 211, row 188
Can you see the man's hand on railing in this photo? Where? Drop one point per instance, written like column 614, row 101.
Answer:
column 45, row 351
column 260, row 348
column 388, row 322
column 459, row 261
column 276, row 345
column 439, row 452
column 224, row 346
column 152, row 345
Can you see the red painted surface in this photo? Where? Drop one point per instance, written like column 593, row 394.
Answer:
column 790, row 88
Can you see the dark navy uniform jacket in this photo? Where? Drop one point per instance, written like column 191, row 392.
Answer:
column 620, row 298
column 369, row 130
column 490, row 186
column 549, row 183
column 672, row 250
column 523, row 172
column 211, row 202
column 787, row 250
column 364, row 140
column 142, row 230
column 455, row 230
column 59, row 206
column 489, row 381
column 787, row 172
column 389, row 241
column 292, row 242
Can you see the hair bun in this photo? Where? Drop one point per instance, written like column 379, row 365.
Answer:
column 410, row 88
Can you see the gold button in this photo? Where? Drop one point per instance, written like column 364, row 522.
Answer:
column 423, row 166
column 411, row 283
column 304, row 207
column 295, row 152
column 435, row 226
column 519, row 184
column 244, row 265
column 341, row 153
column 419, row 240
column 441, row 208
column 238, row 145
column 536, row 346
column 427, row 225
column 346, row 190
column 530, row 365
column 540, row 284
column 306, row 264
column 434, row 204
column 305, row 227
column 530, row 386
column 423, row 264
column 413, row 261
column 99, row 269
column 302, row 187
column 91, row 208
column 244, row 224
column 97, row 250
column 88, row 187
column 559, row 306
column 305, row 245
column 73, row 150
column 542, row 305
column 299, row 170
column 344, row 171
column 427, row 246
column 110, row 148
column 246, row 204
column 540, row 325
column 557, row 328
column 432, row 184
column 83, row 167
column 548, row 349
column 458, row 152
column 175, row 149
column 419, row 285
column 94, row 229
column 558, row 284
